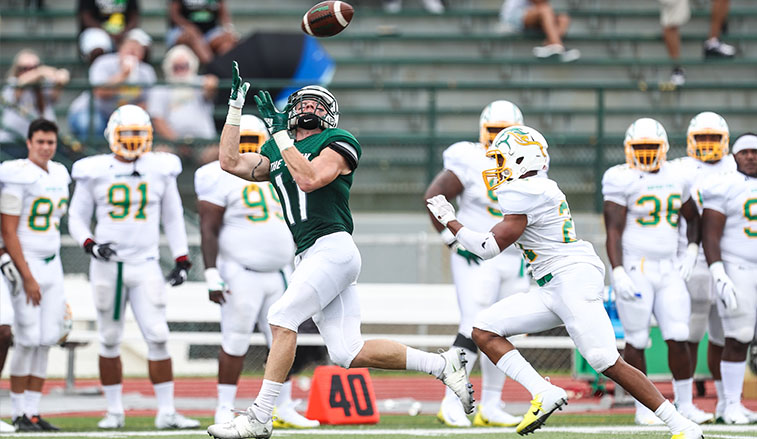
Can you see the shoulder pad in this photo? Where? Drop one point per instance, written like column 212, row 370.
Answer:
column 458, row 149
column 89, row 167
column 60, row 169
column 207, row 178
column 17, row 172
column 163, row 163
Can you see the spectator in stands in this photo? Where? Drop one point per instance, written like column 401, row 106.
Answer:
column 432, row 6
column 713, row 47
column 31, row 91
column 113, row 76
column 517, row 15
column 183, row 109
column 203, row 25
column 103, row 25
column 673, row 15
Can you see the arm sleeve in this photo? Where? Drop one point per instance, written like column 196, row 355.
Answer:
column 80, row 213
column 614, row 186
column 481, row 244
column 172, row 217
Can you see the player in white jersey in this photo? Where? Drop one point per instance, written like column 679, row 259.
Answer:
column 248, row 251
column 642, row 202
column 131, row 192
column 707, row 142
column 478, row 283
column 729, row 233
column 10, row 276
column 33, row 200
column 536, row 217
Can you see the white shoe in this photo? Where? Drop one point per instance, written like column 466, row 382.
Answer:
column 287, row 417
column 455, row 377
column 434, row 6
column 6, row 428
column 111, row 421
column 549, row 51
column 693, row 431
column 223, row 414
column 733, row 414
column 174, row 420
column 647, row 417
column 494, row 415
column 542, row 406
column 246, row 425
column 692, row 413
column 752, row 416
column 451, row 413
column 570, row 55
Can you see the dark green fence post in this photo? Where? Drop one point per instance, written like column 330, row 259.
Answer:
column 599, row 157
column 431, row 162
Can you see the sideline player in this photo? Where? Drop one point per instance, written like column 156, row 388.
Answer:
column 10, row 284
column 33, row 200
column 536, row 217
column 131, row 192
column 643, row 199
column 479, row 284
column 312, row 174
column 247, row 250
column 729, row 232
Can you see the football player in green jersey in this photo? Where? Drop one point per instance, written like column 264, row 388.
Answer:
column 311, row 164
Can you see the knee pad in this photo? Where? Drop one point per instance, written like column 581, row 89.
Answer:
column 462, row 341
column 742, row 335
column 601, row 359
column 21, row 362
column 638, row 339
column 677, row 332
column 110, row 350
column 39, row 363
column 157, row 351
column 342, row 354
column 235, row 343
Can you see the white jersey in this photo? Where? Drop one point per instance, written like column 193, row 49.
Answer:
column 130, row 201
column 549, row 241
column 477, row 206
column 44, row 200
column 653, row 200
column 698, row 173
column 735, row 195
column 253, row 233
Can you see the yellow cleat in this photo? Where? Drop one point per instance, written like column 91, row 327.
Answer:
column 542, row 407
column 287, row 417
column 495, row 416
column 694, row 431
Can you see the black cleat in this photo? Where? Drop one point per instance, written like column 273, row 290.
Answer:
column 22, row 423
column 43, row 424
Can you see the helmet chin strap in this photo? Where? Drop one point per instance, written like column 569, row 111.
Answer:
column 308, row 121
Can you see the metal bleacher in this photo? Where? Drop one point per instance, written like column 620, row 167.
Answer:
column 410, row 83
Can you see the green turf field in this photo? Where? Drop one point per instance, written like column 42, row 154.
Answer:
column 565, row 426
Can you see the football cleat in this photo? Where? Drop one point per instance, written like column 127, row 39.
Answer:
column 6, row 428
column 733, row 414
column 174, row 420
column 495, row 416
column 693, row 431
column 451, row 413
column 287, row 417
column 112, row 421
column 695, row 415
column 646, row 417
column 542, row 406
column 246, row 425
column 43, row 424
column 455, row 377
column 22, row 423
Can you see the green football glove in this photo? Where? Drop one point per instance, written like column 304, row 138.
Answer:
column 275, row 120
column 238, row 89
column 470, row 257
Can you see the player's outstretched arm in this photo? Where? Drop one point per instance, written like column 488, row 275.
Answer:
column 250, row 166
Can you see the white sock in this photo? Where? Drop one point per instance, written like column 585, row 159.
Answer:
column 113, row 398
column 732, row 373
column 31, row 402
column 719, row 391
column 520, row 370
column 492, row 380
column 226, row 395
column 18, row 405
column 674, row 420
column 471, row 357
column 263, row 405
column 164, row 395
column 424, row 362
column 641, row 410
column 285, row 394
column 683, row 391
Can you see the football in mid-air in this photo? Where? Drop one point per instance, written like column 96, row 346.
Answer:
column 327, row 19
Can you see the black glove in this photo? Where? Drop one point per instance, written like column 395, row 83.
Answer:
column 101, row 252
column 178, row 275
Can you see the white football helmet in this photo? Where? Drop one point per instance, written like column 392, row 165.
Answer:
column 497, row 116
column 252, row 133
column 325, row 100
column 129, row 132
column 646, row 144
column 516, row 150
column 707, row 137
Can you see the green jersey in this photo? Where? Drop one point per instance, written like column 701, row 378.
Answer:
column 322, row 211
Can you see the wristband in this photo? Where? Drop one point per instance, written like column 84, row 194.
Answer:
column 282, row 139
column 233, row 116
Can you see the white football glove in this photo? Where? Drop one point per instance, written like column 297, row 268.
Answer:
column 11, row 273
column 213, row 280
column 724, row 286
column 623, row 285
column 442, row 210
column 689, row 261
